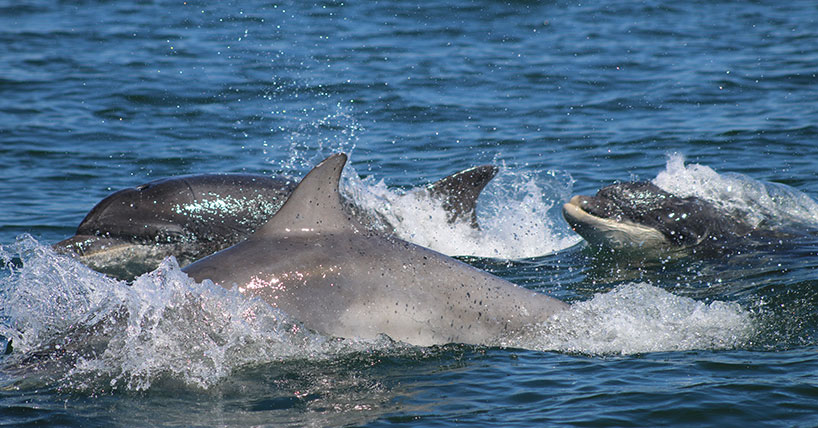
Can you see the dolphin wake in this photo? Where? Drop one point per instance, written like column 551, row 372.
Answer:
column 60, row 320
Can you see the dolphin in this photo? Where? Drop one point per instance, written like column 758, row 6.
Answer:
column 322, row 266
column 640, row 215
column 131, row 231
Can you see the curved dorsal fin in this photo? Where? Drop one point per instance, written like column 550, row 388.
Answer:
column 315, row 204
column 459, row 192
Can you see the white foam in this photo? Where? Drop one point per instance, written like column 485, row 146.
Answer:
column 518, row 214
column 638, row 318
column 761, row 202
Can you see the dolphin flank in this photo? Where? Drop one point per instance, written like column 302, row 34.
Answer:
column 319, row 264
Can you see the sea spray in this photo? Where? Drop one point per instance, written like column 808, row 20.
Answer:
column 637, row 318
column 770, row 204
column 518, row 215
column 101, row 334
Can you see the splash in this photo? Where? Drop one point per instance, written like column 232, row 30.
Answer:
column 517, row 212
column 638, row 318
column 328, row 126
column 104, row 334
column 760, row 202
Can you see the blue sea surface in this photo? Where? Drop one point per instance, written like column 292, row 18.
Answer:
column 710, row 98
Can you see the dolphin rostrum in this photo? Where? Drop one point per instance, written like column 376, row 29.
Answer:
column 131, row 231
column 320, row 265
column 640, row 215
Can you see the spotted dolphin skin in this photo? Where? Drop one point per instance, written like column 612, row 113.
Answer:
column 637, row 215
column 131, row 231
column 322, row 266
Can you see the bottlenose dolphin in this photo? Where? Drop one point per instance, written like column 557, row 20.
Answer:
column 322, row 266
column 636, row 215
column 131, row 231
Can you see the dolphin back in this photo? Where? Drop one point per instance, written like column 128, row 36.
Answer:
column 315, row 262
column 173, row 208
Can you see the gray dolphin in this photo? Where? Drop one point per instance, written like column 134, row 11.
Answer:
column 131, row 231
column 640, row 215
column 320, row 265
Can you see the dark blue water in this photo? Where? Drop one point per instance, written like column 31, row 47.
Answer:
column 565, row 96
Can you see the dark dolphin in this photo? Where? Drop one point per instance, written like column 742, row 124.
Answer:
column 637, row 215
column 131, row 231
column 336, row 276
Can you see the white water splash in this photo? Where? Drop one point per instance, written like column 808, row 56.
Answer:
column 163, row 326
column 518, row 214
column 761, row 202
column 638, row 318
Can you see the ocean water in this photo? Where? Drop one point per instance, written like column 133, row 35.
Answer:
column 715, row 99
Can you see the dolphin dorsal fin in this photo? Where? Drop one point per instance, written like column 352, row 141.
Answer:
column 459, row 192
column 315, row 204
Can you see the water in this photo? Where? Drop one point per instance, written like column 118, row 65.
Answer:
column 715, row 99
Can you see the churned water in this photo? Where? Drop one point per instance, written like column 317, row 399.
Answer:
column 712, row 99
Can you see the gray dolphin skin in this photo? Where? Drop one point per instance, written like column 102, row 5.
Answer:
column 131, row 231
column 641, row 215
column 320, row 265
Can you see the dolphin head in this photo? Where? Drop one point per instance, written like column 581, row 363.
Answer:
column 639, row 215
